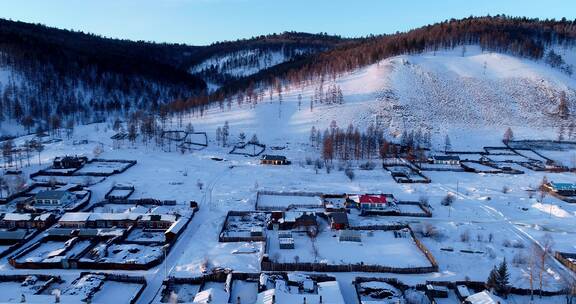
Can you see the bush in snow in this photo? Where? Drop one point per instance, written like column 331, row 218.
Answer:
column 349, row 173
column 465, row 236
column 448, row 200
column 368, row 166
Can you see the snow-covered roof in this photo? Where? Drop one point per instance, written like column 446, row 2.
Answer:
column 75, row 217
column 43, row 217
column 17, row 217
column 211, row 295
column 114, row 216
column 177, row 226
column 329, row 291
column 373, row 199
column 484, row 297
column 463, row 291
column 162, row 217
column 446, row 157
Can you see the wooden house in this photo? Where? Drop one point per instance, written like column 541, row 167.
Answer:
column 69, row 162
column 274, row 160
column 53, row 198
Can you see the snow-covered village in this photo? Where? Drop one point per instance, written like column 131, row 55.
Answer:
column 439, row 168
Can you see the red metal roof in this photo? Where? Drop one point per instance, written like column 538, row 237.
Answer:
column 373, row 199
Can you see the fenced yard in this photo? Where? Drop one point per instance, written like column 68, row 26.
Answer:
column 268, row 200
column 379, row 251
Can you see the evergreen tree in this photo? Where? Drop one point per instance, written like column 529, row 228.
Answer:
column 492, row 281
column 503, row 286
column 499, row 280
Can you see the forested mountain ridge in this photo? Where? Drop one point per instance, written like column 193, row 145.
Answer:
column 50, row 77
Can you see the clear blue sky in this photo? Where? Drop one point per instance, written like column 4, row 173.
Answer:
column 205, row 21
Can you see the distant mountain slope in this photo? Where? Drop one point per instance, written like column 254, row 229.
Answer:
column 471, row 94
column 225, row 62
column 51, row 77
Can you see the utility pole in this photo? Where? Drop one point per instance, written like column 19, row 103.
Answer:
column 458, row 187
column 165, row 265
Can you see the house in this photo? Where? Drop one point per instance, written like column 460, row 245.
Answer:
column 293, row 220
column 274, row 160
column 156, row 221
column 484, row 297
column 334, row 203
column 109, row 220
column 564, row 189
column 53, row 198
column 27, row 220
column 445, row 159
column 98, row 220
column 338, row 220
column 74, row 219
column 375, row 201
column 15, row 220
column 69, row 162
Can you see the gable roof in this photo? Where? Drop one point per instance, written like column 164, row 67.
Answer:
column 484, row 297
column 52, row 194
column 445, row 157
column 373, row 199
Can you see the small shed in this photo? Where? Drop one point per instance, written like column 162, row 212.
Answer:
column 350, row 236
column 338, row 220
column 286, row 243
column 256, row 231
column 462, row 292
column 437, row 291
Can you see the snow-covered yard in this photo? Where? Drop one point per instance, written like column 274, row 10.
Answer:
column 376, row 248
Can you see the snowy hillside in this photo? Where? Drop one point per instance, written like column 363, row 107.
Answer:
column 444, row 92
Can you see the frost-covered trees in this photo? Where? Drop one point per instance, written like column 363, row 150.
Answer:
column 7, row 152
column 508, row 136
column 447, row 143
column 563, row 109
